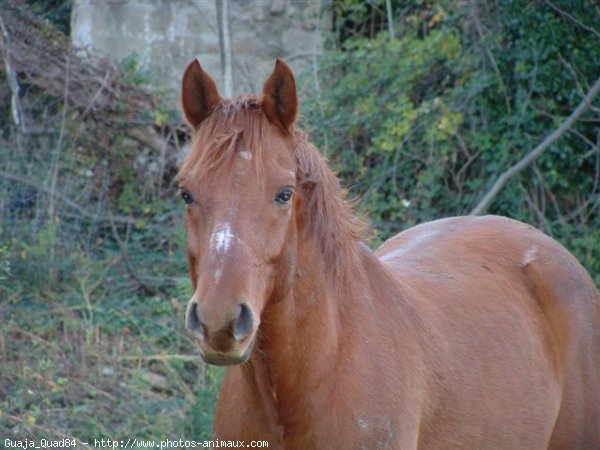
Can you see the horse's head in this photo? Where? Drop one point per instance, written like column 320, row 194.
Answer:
column 238, row 184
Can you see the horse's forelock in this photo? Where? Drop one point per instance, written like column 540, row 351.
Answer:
column 220, row 135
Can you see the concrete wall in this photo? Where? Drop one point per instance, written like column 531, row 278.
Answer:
column 167, row 34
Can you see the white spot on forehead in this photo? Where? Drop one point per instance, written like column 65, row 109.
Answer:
column 222, row 238
column 245, row 154
column 218, row 274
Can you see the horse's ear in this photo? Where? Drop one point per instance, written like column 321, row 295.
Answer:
column 199, row 94
column 280, row 102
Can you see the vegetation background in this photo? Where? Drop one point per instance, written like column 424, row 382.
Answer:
column 419, row 105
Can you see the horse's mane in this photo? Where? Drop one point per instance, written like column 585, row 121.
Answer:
column 326, row 214
column 329, row 217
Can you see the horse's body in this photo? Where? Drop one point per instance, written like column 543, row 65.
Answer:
column 471, row 332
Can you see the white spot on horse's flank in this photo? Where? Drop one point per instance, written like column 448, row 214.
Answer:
column 362, row 423
column 530, row 255
column 245, row 154
column 222, row 238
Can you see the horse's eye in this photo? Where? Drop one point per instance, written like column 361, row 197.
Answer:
column 284, row 197
column 186, row 196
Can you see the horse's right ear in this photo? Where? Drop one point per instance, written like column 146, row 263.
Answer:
column 280, row 102
column 199, row 94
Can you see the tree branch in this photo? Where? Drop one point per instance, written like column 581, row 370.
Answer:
column 11, row 76
column 571, row 18
column 390, row 19
column 44, row 57
column 225, row 46
column 125, row 253
column 63, row 198
column 536, row 152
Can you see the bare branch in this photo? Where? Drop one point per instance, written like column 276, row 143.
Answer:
column 58, row 148
column 149, row 137
column 536, row 152
column 390, row 19
column 225, row 47
column 15, row 102
column 488, row 52
column 571, row 18
column 125, row 254
column 45, row 58
column 66, row 200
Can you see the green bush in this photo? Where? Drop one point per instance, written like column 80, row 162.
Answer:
column 421, row 125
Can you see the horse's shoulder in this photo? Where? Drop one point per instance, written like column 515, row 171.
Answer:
column 499, row 250
column 460, row 237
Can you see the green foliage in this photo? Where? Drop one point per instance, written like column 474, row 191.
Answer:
column 420, row 126
column 130, row 71
column 35, row 262
column 586, row 242
column 5, row 268
column 58, row 12
column 202, row 411
column 93, row 289
column 381, row 99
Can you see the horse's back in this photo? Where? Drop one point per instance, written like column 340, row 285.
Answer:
column 537, row 293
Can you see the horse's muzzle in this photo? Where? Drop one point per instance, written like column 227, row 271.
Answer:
column 229, row 343
column 220, row 359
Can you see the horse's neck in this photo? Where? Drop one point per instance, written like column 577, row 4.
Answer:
column 302, row 334
column 325, row 329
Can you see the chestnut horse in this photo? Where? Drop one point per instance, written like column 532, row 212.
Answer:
column 466, row 332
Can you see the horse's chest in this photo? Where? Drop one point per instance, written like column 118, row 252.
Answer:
column 329, row 424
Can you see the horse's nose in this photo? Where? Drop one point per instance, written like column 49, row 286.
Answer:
column 244, row 322
column 240, row 327
column 192, row 321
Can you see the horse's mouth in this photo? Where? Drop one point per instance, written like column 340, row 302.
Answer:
column 225, row 359
column 218, row 360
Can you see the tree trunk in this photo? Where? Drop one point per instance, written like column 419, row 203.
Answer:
column 225, row 46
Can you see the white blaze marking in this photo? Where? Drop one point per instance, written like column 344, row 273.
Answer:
column 221, row 239
column 245, row 154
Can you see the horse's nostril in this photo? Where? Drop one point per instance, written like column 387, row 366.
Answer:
column 244, row 322
column 192, row 320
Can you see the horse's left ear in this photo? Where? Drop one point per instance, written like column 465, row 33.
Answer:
column 280, row 102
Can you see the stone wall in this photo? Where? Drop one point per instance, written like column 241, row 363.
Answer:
column 167, row 34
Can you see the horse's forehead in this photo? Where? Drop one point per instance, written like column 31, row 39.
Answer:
column 279, row 158
column 273, row 154
column 250, row 169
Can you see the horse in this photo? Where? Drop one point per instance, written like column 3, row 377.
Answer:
column 462, row 333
